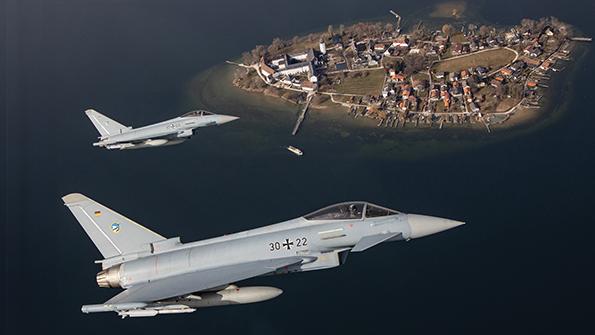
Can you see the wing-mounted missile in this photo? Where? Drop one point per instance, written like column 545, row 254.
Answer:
column 231, row 295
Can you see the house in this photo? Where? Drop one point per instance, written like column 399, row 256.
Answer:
column 457, row 49
column 446, row 102
column 399, row 77
column 464, row 74
column 533, row 50
column 457, row 91
column 266, row 70
column 401, row 42
column 518, row 65
column 532, row 84
column 379, row 47
column 546, row 65
column 445, row 95
column 482, row 71
column 405, row 92
column 419, row 85
column 506, row 72
column 474, row 107
column 496, row 83
column 434, row 95
column 532, row 62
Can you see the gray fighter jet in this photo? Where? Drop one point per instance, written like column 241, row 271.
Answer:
column 166, row 276
column 117, row 136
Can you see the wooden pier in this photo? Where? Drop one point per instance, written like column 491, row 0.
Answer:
column 302, row 116
column 581, row 39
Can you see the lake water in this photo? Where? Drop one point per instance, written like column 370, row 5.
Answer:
column 522, row 263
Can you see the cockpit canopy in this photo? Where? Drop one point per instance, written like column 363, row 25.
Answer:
column 197, row 113
column 350, row 211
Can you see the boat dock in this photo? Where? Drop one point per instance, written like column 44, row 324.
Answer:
column 302, row 116
column 582, row 39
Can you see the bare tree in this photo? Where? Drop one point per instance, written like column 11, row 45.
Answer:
column 329, row 30
column 341, row 29
column 448, row 29
column 276, row 45
column 413, row 64
column 528, row 24
column 484, row 31
column 257, row 52
column 247, row 58
column 389, row 28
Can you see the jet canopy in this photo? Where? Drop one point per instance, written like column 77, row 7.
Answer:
column 197, row 113
column 355, row 210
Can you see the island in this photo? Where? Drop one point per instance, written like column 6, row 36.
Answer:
column 463, row 74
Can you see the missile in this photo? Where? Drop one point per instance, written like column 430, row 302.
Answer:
column 231, row 295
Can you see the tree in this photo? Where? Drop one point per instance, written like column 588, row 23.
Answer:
column 528, row 24
column 413, row 64
column 448, row 29
column 418, row 33
column 276, row 45
column 247, row 58
column 329, row 30
column 341, row 29
column 484, row 31
column 258, row 52
column 389, row 28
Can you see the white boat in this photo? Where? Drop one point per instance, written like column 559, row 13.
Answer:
column 295, row 150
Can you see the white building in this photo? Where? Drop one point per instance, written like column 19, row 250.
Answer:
column 322, row 46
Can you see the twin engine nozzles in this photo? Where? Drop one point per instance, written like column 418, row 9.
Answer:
column 109, row 278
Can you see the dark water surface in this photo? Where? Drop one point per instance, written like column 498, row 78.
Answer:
column 523, row 263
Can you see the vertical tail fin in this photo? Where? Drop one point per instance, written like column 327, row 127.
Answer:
column 112, row 233
column 104, row 124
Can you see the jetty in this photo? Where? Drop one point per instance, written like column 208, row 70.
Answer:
column 302, row 116
column 582, row 39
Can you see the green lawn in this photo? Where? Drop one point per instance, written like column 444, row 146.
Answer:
column 368, row 85
column 493, row 59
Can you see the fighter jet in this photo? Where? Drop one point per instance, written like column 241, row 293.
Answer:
column 161, row 275
column 117, row 136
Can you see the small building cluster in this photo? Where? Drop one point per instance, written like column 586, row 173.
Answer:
column 293, row 70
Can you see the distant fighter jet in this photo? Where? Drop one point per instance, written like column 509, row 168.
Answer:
column 165, row 276
column 117, row 136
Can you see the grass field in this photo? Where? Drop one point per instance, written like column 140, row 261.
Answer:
column 368, row 85
column 492, row 59
column 458, row 38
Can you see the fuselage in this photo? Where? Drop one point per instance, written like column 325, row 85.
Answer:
column 319, row 242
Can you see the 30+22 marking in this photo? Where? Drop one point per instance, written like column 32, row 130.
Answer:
column 288, row 244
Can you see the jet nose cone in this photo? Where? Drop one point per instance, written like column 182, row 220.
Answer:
column 226, row 118
column 422, row 225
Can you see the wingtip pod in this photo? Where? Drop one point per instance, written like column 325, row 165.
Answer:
column 90, row 111
column 72, row 198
